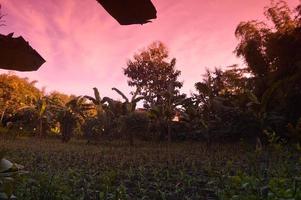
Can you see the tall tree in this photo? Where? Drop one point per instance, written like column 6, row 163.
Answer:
column 15, row 93
column 152, row 71
column 229, row 83
column 273, row 56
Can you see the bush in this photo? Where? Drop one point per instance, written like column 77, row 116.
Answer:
column 136, row 123
column 92, row 129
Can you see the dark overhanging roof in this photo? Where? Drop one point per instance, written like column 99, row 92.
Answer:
column 17, row 54
column 128, row 12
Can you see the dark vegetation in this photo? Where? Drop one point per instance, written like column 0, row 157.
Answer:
column 237, row 137
column 186, row 170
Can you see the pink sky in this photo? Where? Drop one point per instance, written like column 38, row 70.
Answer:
column 85, row 47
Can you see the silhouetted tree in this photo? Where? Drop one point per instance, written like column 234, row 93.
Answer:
column 153, row 72
column 155, row 75
column 273, row 57
column 227, row 83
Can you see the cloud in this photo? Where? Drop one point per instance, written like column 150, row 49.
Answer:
column 85, row 47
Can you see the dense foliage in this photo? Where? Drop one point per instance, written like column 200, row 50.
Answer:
column 115, row 170
column 253, row 111
column 229, row 104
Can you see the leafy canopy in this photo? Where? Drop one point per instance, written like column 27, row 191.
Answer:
column 153, row 72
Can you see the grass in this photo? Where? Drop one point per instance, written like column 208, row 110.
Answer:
column 186, row 170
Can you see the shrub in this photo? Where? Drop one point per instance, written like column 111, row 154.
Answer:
column 135, row 123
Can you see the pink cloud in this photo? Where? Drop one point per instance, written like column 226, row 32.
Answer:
column 85, row 47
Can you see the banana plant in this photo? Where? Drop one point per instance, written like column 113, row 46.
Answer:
column 129, row 107
column 38, row 114
column 97, row 101
column 71, row 114
column 103, row 114
column 41, row 108
column 166, row 111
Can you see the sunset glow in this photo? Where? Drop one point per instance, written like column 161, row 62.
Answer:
column 84, row 47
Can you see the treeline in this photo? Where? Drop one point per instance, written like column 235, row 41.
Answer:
column 261, row 100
